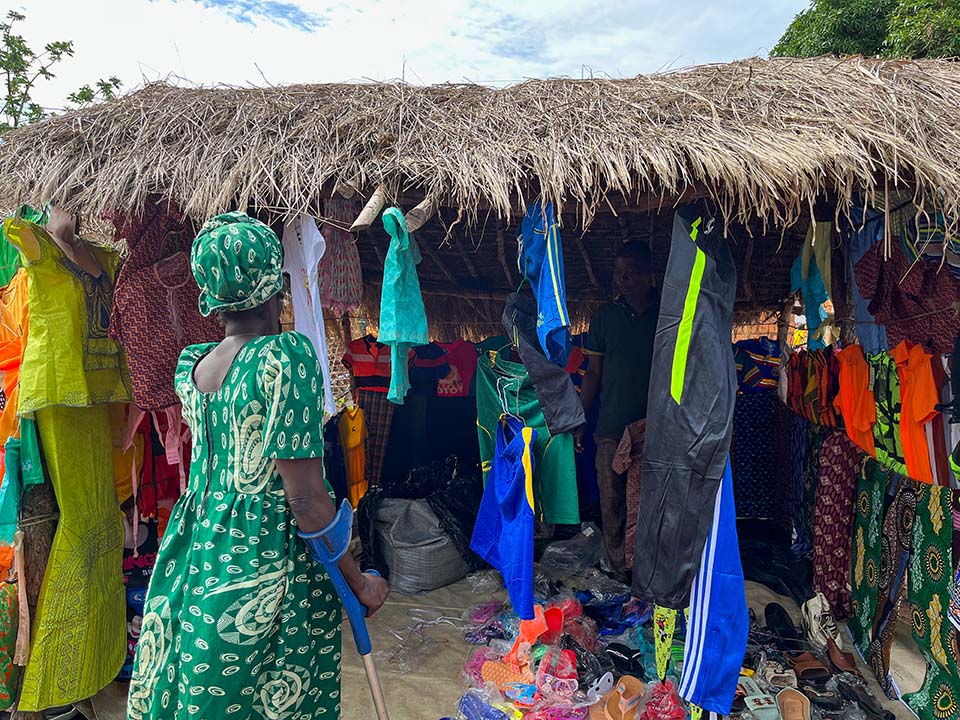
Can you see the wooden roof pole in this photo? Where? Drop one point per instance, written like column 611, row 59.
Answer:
column 502, row 255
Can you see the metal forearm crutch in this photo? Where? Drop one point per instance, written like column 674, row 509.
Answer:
column 328, row 546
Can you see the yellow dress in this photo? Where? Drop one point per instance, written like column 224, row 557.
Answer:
column 353, row 441
column 70, row 367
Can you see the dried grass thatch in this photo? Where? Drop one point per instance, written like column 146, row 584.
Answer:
column 763, row 137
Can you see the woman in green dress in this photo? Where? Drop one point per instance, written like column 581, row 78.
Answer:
column 239, row 622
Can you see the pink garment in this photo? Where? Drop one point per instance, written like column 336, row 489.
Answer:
column 462, row 358
column 341, row 287
column 629, row 459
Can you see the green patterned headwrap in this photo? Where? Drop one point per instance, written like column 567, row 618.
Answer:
column 237, row 262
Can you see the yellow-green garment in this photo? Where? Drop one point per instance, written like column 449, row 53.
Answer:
column 238, row 622
column 79, row 634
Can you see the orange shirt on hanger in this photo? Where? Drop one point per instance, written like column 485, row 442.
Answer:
column 353, row 442
column 919, row 396
column 855, row 400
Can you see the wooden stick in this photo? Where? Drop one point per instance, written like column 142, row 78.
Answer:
column 421, row 213
column 588, row 265
column 371, row 210
column 502, row 255
column 465, row 256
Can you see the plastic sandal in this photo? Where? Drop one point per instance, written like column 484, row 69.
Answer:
column 781, row 626
column 793, row 704
column 624, row 702
column 774, row 675
column 859, row 694
column 763, row 707
column 824, row 699
column 746, row 687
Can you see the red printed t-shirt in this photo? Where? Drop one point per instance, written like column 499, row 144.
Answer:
column 919, row 395
column 369, row 361
column 462, row 357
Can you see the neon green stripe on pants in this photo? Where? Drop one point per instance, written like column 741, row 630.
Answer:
column 685, row 330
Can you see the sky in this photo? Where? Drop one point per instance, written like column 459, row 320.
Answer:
column 245, row 42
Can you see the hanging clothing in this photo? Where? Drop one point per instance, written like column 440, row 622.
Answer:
column 303, row 249
column 23, row 469
column 690, row 410
column 503, row 534
column 855, row 401
column 625, row 340
column 753, row 454
column 353, row 441
column 938, row 430
column 833, row 520
column 369, row 363
column 556, row 394
column 919, row 397
column 810, row 275
column 334, row 463
column 886, row 431
column 79, row 632
column 541, row 263
column 403, row 320
column 758, row 364
column 867, row 540
column 240, row 608
column 13, row 338
column 427, row 367
column 9, row 671
column 69, row 358
column 10, row 260
column 504, row 386
column 900, row 507
column 458, row 382
column 867, row 231
column 341, row 288
column 628, row 460
column 378, row 415
column 719, row 622
column 912, row 301
column 929, row 578
column 155, row 315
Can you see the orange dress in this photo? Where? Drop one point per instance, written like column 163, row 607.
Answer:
column 353, row 441
column 13, row 338
column 855, row 400
column 919, row 397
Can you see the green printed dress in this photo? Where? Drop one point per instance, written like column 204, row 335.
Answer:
column 239, row 623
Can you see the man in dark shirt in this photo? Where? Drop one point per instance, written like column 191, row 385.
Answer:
column 620, row 351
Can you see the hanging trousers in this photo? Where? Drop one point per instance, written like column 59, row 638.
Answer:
column 692, row 394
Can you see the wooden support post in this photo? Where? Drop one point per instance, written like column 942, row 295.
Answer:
column 420, row 214
column 502, row 255
column 371, row 210
column 587, row 264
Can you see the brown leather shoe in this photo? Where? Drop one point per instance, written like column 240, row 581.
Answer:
column 842, row 661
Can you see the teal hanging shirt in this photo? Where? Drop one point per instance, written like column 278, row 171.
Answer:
column 403, row 320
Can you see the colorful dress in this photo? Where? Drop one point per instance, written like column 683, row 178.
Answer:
column 70, row 369
column 238, row 622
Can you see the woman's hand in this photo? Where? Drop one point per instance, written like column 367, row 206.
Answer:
column 372, row 592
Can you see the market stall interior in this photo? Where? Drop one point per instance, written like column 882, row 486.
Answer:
column 644, row 390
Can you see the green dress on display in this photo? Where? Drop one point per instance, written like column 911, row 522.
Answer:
column 238, row 622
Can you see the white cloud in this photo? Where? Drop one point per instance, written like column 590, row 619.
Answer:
column 304, row 41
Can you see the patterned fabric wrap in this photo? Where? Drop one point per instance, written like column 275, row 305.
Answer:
column 236, row 261
column 797, row 464
column 340, row 276
column 867, row 524
column 928, row 590
column 378, row 412
column 896, row 543
column 833, row 520
column 783, row 465
column 9, row 672
column 754, row 455
column 803, row 544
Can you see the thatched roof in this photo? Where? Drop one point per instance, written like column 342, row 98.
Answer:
column 763, row 137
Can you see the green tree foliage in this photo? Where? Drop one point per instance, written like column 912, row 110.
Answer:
column 884, row 28
column 22, row 67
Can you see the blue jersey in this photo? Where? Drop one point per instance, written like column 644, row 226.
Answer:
column 541, row 263
column 503, row 534
column 719, row 619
